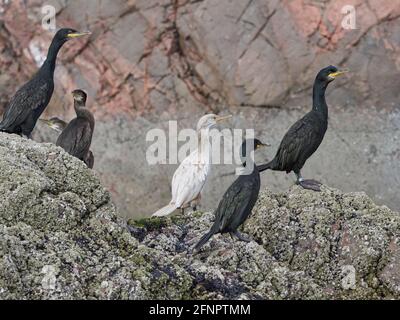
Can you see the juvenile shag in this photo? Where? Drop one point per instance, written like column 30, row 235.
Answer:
column 239, row 200
column 55, row 123
column 59, row 126
column 76, row 138
column 306, row 135
column 191, row 175
column 25, row 108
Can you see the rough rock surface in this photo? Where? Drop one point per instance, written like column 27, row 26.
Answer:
column 60, row 238
column 149, row 61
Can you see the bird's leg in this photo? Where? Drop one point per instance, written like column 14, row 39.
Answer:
column 308, row 184
column 238, row 235
column 182, row 211
column 196, row 202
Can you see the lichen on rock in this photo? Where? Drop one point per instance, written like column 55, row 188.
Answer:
column 61, row 238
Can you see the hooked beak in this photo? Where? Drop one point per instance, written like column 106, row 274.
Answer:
column 220, row 119
column 334, row 75
column 78, row 34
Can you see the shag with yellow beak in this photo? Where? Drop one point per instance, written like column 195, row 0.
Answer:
column 59, row 126
column 27, row 105
column 306, row 135
column 76, row 138
column 239, row 200
column 55, row 123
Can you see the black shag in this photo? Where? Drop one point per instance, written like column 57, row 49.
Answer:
column 239, row 200
column 59, row 125
column 306, row 135
column 25, row 108
column 55, row 124
column 76, row 138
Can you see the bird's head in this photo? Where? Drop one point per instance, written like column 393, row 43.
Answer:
column 55, row 124
column 210, row 120
column 66, row 34
column 329, row 74
column 80, row 96
column 250, row 145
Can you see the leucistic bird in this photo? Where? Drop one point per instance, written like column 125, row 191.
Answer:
column 191, row 176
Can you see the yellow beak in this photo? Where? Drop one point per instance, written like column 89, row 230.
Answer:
column 263, row 145
column 338, row 73
column 78, row 34
column 220, row 119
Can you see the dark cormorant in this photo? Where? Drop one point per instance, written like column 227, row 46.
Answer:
column 59, row 125
column 76, row 138
column 305, row 136
column 32, row 98
column 239, row 200
column 55, row 124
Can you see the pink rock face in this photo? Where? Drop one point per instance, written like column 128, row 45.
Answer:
column 169, row 59
column 243, row 53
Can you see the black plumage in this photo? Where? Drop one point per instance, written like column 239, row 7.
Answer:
column 26, row 106
column 76, row 138
column 306, row 135
column 89, row 160
column 239, row 200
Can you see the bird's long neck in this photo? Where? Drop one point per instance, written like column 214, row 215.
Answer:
column 319, row 102
column 249, row 164
column 83, row 112
column 50, row 63
column 204, row 143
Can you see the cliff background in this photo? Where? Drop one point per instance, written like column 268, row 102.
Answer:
column 148, row 62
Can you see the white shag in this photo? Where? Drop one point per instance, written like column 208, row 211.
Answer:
column 191, row 176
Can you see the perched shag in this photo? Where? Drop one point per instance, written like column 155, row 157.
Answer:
column 55, row 124
column 191, row 175
column 76, row 138
column 32, row 98
column 59, row 126
column 239, row 200
column 305, row 136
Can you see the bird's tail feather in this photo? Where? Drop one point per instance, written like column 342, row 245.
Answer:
column 204, row 240
column 165, row 211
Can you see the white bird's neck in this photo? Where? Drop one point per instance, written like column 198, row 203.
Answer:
column 204, row 144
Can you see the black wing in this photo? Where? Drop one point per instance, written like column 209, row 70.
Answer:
column 299, row 143
column 234, row 203
column 76, row 138
column 30, row 97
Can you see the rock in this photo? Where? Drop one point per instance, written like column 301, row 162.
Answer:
column 61, row 238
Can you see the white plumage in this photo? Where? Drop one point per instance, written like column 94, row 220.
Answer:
column 191, row 176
